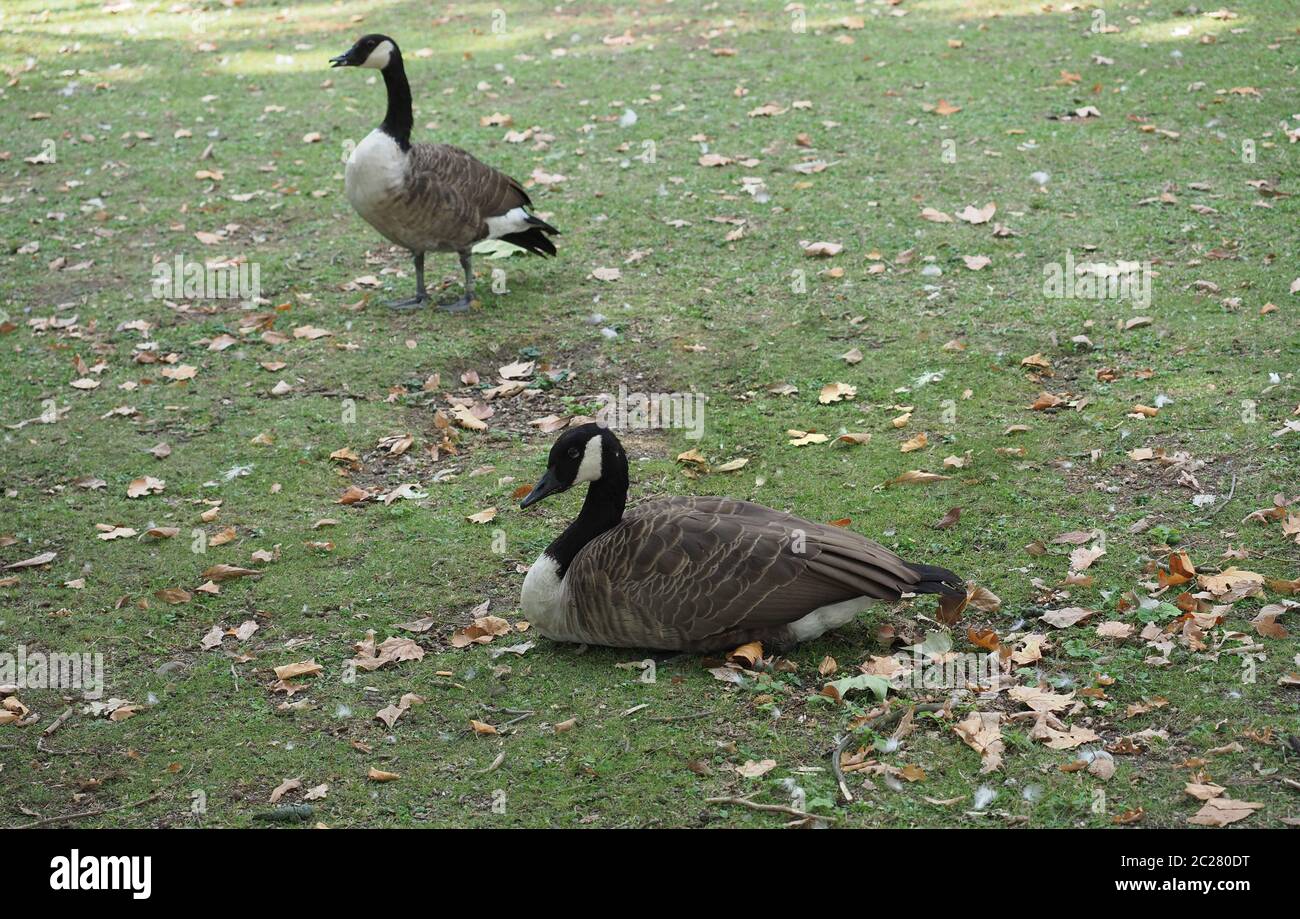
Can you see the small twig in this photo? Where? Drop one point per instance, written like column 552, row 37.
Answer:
column 771, row 808
column 57, row 722
column 1231, row 491
column 41, row 748
column 501, row 758
column 91, row 813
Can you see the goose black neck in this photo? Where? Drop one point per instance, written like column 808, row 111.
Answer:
column 398, row 119
column 602, row 510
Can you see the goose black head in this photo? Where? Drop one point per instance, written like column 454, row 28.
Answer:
column 373, row 50
column 582, row 454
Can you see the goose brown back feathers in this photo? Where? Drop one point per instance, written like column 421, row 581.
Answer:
column 449, row 195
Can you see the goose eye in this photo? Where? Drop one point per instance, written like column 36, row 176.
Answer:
column 573, row 453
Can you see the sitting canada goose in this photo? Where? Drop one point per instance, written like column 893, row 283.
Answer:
column 699, row 574
column 430, row 197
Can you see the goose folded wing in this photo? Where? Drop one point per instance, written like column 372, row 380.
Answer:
column 686, row 569
column 459, row 192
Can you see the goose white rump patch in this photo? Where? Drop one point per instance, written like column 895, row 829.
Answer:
column 824, row 618
column 514, row 220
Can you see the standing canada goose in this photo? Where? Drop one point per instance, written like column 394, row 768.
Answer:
column 699, row 574
column 430, row 197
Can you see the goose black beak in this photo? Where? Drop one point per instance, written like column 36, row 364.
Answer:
column 548, row 484
column 341, row 60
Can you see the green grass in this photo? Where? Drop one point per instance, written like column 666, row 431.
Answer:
column 215, row 725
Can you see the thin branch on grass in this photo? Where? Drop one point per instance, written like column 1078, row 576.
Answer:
column 94, row 812
column 1231, row 491
column 57, row 722
column 771, row 808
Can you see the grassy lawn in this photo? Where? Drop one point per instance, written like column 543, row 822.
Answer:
column 218, row 132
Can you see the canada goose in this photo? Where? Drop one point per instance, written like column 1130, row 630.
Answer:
column 695, row 573
column 430, row 197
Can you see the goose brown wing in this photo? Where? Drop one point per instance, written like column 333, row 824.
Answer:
column 457, row 193
column 676, row 571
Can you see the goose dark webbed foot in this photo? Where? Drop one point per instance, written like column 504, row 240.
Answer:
column 457, row 306
column 411, row 303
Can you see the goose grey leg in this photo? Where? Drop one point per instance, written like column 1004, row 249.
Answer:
column 421, row 295
column 464, row 302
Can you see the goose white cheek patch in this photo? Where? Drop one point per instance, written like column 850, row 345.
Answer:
column 379, row 57
column 589, row 471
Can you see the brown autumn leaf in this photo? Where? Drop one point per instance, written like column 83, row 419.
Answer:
column 1181, row 570
column 393, row 650
column 466, row 418
column 284, row 788
column 914, row 443
column 949, row 520
column 481, row 631
column 1082, row 558
column 1230, row 579
column 977, row 215
column 1223, row 811
column 951, row 608
column 983, row 599
column 917, row 477
column 1039, row 700
column 753, row 770
column 354, row 495
column 302, row 668
column 145, row 485
column 34, row 562
column 982, row 732
column 747, row 654
column 229, row 572
column 1204, row 791
column 1266, row 623
column 1066, row 617
column 820, row 249
column 834, row 392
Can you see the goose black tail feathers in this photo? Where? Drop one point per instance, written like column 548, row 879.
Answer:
column 534, row 240
column 535, row 221
column 936, row 580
